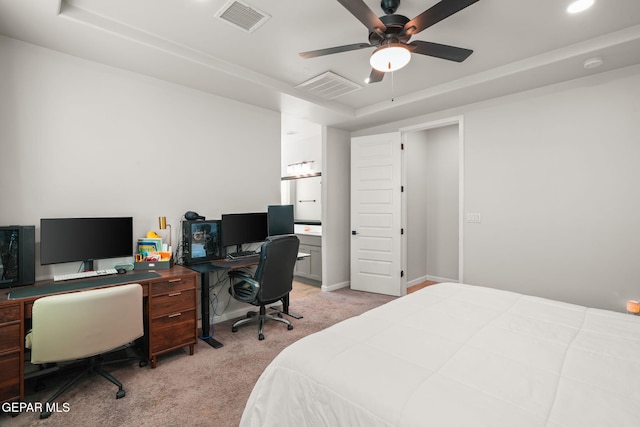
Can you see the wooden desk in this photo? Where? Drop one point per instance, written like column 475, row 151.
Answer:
column 170, row 322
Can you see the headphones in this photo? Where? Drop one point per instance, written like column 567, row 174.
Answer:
column 191, row 215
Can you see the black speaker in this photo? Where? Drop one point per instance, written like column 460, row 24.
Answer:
column 191, row 216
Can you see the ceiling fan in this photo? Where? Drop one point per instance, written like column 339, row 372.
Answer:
column 390, row 35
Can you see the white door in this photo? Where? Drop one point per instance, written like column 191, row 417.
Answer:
column 376, row 214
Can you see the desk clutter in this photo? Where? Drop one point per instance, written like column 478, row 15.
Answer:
column 152, row 253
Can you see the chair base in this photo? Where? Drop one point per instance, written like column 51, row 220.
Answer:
column 261, row 317
column 90, row 365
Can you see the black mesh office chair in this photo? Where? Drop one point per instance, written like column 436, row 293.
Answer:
column 271, row 281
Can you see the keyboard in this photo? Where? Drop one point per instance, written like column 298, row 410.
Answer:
column 84, row 274
column 243, row 254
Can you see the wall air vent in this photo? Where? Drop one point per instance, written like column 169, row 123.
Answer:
column 242, row 15
column 329, row 85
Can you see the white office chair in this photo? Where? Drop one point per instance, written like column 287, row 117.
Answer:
column 84, row 325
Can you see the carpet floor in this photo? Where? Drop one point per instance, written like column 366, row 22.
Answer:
column 209, row 388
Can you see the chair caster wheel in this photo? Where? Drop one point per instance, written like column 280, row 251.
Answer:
column 120, row 394
column 279, row 315
column 45, row 414
column 289, row 327
column 260, row 337
column 234, row 329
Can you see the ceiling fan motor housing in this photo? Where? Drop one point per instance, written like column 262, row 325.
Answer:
column 394, row 33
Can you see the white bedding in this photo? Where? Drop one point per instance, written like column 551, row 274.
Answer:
column 458, row 355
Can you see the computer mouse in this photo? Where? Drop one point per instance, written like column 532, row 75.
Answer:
column 121, row 270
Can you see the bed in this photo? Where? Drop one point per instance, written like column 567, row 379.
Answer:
column 458, row 355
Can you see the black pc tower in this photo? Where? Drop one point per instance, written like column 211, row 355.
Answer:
column 17, row 255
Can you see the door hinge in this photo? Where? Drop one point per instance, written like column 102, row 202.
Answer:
column 402, row 188
column 402, row 231
column 402, row 145
column 401, row 273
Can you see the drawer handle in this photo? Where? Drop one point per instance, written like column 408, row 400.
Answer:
column 175, row 294
column 174, row 315
column 175, row 280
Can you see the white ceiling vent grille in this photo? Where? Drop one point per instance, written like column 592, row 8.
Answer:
column 242, row 15
column 329, row 85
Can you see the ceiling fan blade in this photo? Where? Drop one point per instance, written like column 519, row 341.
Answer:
column 435, row 14
column 365, row 15
column 443, row 51
column 332, row 50
column 375, row 76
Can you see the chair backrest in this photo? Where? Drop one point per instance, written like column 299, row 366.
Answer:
column 83, row 324
column 275, row 271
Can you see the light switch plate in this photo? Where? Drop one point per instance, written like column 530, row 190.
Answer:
column 473, row 218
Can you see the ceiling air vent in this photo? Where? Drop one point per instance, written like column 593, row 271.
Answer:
column 242, row 15
column 329, row 85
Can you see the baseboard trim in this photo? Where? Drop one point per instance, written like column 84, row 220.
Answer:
column 335, row 286
column 441, row 279
column 417, row 281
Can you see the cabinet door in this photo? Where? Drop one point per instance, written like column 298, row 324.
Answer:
column 303, row 266
column 315, row 262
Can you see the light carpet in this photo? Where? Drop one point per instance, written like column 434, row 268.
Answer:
column 209, row 388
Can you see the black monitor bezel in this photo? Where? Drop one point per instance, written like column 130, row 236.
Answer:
column 249, row 237
column 280, row 220
column 51, row 246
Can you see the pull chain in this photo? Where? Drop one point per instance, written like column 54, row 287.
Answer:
column 392, row 87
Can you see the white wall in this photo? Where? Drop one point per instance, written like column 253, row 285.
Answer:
column 415, row 157
column 306, row 149
column 79, row 138
column 336, row 219
column 553, row 172
column 431, row 164
column 442, row 203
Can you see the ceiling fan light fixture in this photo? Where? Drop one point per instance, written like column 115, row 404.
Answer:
column 390, row 57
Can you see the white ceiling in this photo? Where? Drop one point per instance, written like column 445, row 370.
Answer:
column 518, row 45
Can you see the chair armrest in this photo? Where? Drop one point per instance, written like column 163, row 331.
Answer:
column 245, row 283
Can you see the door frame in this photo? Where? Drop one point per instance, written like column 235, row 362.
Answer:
column 455, row 120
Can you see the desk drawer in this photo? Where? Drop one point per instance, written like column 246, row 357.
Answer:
column 10, row 376
column 10, row 337
column 10, row 313
column 173, row 330
column 174, row 302
column 173, row 285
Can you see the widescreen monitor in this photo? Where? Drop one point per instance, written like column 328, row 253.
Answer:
column 241, row 228
column 85, row 239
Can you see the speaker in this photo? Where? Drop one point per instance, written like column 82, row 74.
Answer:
column 191, row 215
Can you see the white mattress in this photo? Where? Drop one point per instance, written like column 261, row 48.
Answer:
column 458, row 355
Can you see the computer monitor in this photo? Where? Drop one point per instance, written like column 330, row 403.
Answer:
column 241, row 228
column 280, row 219
column 85, row 239
column 201, row 241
